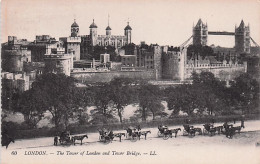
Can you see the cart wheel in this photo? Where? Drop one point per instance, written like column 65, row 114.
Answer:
column 134, row 138
column 212, row 134
column 159, row 133
column 106, row 142
column 166, row 136
column 204, row 132
column 185, row 133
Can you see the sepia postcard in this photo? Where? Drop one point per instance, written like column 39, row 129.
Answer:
column 130, row 81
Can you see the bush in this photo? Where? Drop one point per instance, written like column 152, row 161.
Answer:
column 10, row 128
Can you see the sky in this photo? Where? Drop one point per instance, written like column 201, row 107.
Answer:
column 165, row 22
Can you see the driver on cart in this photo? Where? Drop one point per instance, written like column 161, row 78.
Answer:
column 162, row 128
column 105, row 132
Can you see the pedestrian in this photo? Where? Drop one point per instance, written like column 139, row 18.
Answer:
column 55, row 141
column 213, row 120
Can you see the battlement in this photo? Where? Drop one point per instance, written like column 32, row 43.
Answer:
column 58, row 56
column 214, row 65
column 12, row 38
column 74, row 39
column 59, row 50
column 171, row 54
column 44, row 38
column 14, row 76
column 112, row 36
column 15, row 51
column 85, row 36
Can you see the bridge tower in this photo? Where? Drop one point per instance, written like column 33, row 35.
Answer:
column 200, row 34
column 242, row 38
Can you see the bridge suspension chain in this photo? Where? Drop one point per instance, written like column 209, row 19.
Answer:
column 254, row 42
column 185, row 43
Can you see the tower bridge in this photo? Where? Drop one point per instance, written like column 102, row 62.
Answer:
column 242, row 36
column 220, row 33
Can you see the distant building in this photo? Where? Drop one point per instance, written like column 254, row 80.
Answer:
column 128, row 61
column 14, row 54
column 93, row 39
column 58, row 62
column 242, row 38
column 176, row 66
column 19, row 81
column 223, row 53
column 104, row 58
column 146, row 56
column 72, row 43
column 42, row 45
column 200, row 34
column 173, row 64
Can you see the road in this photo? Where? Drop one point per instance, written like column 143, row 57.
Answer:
column 183, row 149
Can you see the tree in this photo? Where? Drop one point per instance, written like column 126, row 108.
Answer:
column 182, row 98
column 210, row 92
column 58, row 95
column 9, row 96
column 157, row 109
column 102, row 113
column 149, row 96
column 245, row 91
column 81, row 99
column 97, row 50
column 32, row 105
column 121, row 94
column 129, row 49
column 199, row 50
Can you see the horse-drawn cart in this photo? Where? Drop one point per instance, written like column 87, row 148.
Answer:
column 190, row 130
column 163, row 131
column 133, row 133
column 209, row 129
column 65, row 138
column 106, row 136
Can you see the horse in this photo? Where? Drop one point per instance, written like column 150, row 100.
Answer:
column 6, row 140
column 175, row 131
column 119, row 135
column 238, row 128
column 219, row 129
column 74, row 138
column 143, row 133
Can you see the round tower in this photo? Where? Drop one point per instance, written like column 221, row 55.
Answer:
column 74, row 29
column 128, row 30
column 93, row 33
